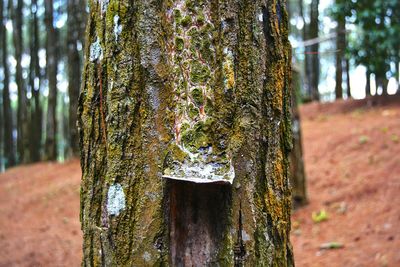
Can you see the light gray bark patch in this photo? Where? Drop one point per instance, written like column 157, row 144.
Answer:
column 147, row 256
column 104, row 5
column 117, row 27
column 95, row 51
column 115, row 199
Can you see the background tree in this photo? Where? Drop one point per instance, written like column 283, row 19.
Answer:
column 297, row 171
column 34, row 84
column 375, row 44
column 8, row 142
column 22, row 108
column 312, row 52
column 340, row 50
column 51, row 70
column 75, row 36
column 165, row 82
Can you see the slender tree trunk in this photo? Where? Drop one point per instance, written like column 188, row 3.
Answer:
column 51, row 60
column 340, row 46
column 35, row 81
column 368, row 83
column 181, row 91
column 297, row 172
column 307, row 51
column 22, row 112
column 384, row 84
column 7, row 111
column 398, row 76
column 76, row 11
column 381, row 82
column 348, row 87
column 313, row 63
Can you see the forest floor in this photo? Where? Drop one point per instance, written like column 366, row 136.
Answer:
column 352, row 157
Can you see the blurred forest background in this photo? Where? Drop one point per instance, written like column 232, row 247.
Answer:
column 342, row 49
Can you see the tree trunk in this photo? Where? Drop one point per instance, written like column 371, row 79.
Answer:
column 34, row 83
column 368, row 83
column 76, row 24
column 22, row 111
column 183, row 91
column 51, row 65
column 297, row 172
column 8, row 149
column 398, row 76
column 313, row 52
column 348, row 87
column 340, row 47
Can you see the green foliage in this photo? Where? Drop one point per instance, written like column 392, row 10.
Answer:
column 374, row 43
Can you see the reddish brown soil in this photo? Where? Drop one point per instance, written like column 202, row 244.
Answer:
column 39, row 215
column 352, row 156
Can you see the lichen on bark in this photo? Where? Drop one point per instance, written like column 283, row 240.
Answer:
column 185, row 82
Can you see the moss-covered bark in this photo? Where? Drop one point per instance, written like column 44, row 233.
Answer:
column 213, row 78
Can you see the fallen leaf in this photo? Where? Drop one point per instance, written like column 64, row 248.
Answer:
column 331, row 245
column 319, row 216
column 363, row 139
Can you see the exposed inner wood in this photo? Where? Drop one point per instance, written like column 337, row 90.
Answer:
column 198, row 222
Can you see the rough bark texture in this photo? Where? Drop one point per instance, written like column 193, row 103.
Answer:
column 340, row 47
column 7, row 112
column 51, row 70
column 34, row 84
column 297, row 172
column 76, row 27
column 22, row 111
column 145, row 62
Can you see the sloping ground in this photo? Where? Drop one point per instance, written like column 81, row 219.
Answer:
column 39, row 215
column 352, row 156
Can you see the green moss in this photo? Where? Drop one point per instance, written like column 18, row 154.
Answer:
column 200, row 19
column 193, row 112
column 199, row 72
column 179, row 44
column 196, row 137
column 177, row 15
column 190, row 5
column 197, row 96
column 177, row 153
column 206, row 52
column 185, row 22
column 209, row 107
column 185, row 126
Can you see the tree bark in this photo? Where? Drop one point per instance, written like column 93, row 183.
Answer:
column 171, row 85
column 348, row 87
column 34, row 84
column 297, row 172
column 340, row 47
column 76, row 25
column 51, row 70
column 7, row 111
column 368, row 83
column 22, row 111
column 312, row 64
